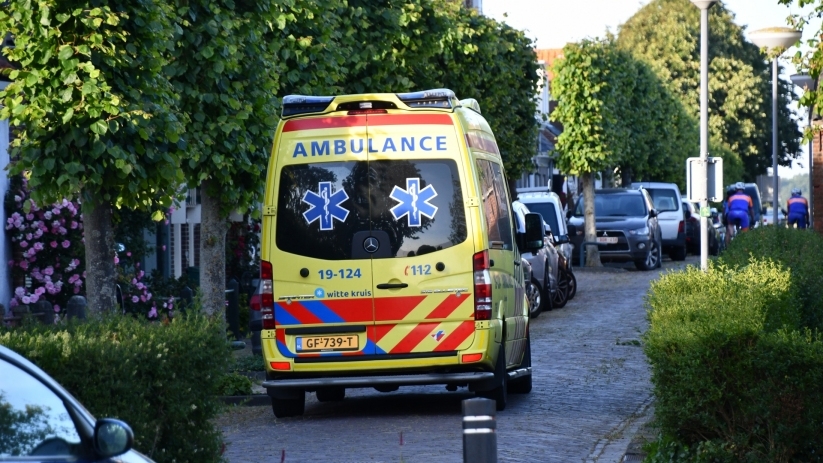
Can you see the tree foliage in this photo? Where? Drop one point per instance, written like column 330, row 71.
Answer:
column 666, row 35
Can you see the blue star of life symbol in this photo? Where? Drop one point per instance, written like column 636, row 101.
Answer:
column 325, row 206
column 414, row 202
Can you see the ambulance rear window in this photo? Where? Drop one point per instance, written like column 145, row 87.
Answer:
column 415, row 205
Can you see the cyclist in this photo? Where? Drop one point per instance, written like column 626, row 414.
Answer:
column 727, row 236
column 739, row 209
column 798, row 209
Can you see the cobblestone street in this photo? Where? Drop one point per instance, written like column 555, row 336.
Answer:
column 591, row 392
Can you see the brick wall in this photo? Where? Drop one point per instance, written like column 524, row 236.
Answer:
column 817, row 178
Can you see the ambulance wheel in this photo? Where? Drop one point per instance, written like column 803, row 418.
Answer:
column 331, row 394
column 500, row 393
column 523, row 384
column 284, row 408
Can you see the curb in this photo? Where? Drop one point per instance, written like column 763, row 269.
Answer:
column 255, row 400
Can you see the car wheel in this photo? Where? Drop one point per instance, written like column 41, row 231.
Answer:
column 652, row 260
column 284, row 408
column 523, row 385
column 534, row 297
column 500, row 393
column 678, row 253
column 561, row 295
column 331, row 394
column 572, row 284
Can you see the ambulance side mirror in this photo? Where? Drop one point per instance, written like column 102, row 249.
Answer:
column 534, row 231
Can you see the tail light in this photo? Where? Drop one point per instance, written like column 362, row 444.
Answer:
column 482, row 286
column 267, row 295
column 681, row 228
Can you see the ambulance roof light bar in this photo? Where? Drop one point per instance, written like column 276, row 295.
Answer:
column 302, row 104
column 435, row 98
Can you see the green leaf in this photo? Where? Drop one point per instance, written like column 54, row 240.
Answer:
column 65, row 52
column 68, row 115
column 99, row 127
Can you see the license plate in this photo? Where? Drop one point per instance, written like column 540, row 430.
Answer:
column 340, row 342
column 607, row 239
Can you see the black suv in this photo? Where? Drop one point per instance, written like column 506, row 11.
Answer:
column 627, row 228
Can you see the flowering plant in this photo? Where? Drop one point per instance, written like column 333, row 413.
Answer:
column 135, row 295
column 48, row 257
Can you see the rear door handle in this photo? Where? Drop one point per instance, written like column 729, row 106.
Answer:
column 517, row 263
column 392, row 285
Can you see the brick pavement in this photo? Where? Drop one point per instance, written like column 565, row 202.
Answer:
column 591, row 394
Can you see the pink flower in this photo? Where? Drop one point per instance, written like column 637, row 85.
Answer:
column 56, row 308
column 73, row 225
column 128, row 253
column 135, row 299
column 24, row 265
column 26, row 300
column 29, row 216
column 53, row 244
column 24, row 244
column 19, row 291
column 116, row 260
column 28, row 236
column 38, row 233
column 76, row 290
column 40, row 290
column 153, row 312
column 66, row 243
column 13, row 302
column 164, row 247
column 38, row 246
column 137, row 264
column 134, row 281
column 47, row 215
column 49, row 270
column 17, row 198
column 143, row 297
column 73, row 278
column 34, row 298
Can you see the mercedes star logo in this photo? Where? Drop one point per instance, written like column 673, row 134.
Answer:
column 371, row 244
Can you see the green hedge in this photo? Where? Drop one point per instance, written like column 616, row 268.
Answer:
column 162, row 379
column 799, row 250
column 736, row 375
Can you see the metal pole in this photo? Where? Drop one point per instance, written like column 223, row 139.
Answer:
column 479, row 431
column 775, row 198
column 704, row 136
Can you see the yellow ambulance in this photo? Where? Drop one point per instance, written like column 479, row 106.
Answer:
column 388, row 251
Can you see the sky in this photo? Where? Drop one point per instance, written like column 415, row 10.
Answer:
column 553, row 23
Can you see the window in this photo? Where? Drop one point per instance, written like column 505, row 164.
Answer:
column 495, row 204
column 616, row 205
column 33, row 419
column 548, row 211
column 418, row 204
column 664, row 199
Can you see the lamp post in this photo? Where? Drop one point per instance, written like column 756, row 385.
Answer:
column 704, row 6
column 807, row 82
column 775, row 40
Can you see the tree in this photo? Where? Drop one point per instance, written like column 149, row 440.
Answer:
column 666, row 34
column 616, row 114
column 93, row 107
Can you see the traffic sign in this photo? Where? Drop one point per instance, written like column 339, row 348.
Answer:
column 696, row 183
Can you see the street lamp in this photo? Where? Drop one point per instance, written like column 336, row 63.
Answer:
column 704, row 6
column 775, row 40
column 807, row 82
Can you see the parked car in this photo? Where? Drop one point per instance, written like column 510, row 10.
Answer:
column 547, row 204
column 44, row 422
column 693, row 231
column 255, row 318
column 627, row 227
column 543, row 262
column 668, row 203
column 768, row 217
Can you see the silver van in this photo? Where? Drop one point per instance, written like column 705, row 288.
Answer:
column 669, row 205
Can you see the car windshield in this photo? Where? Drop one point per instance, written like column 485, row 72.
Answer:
column 615, row 205
column 664, row 199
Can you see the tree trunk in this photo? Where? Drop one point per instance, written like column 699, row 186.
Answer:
column 213, row 228
column 101, row 272
column 592, row 253
column 626, row 177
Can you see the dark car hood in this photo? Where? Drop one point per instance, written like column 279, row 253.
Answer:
column 612, row 223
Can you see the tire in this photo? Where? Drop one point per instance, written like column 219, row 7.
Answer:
column 678, row 254
column 523, row 385
column 534, row 295
column 572, row 284
column 284, row 408
column 561, row 296
column 500, row 393
column 652, row 260
column 331, row 394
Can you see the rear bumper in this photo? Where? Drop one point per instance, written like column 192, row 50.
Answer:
column 387, row 380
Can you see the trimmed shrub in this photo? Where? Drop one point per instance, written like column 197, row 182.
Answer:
column 161, row 378
column 798, row 250
column 736, row 375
